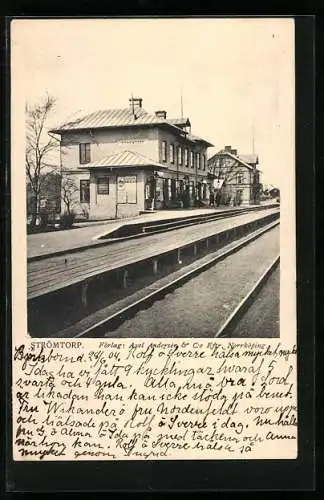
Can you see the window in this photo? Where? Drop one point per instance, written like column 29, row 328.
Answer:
column 167, row 189
column 192, row 159
column 84, row 153
column 191, row 190
column 159, row 189
column 186, row 157
column 84, row 191
column 103, row 185
column 164, row 151
column 172, row 153
column 198, row 161
column 205, row 162
column 179, row 155
column 239, row 178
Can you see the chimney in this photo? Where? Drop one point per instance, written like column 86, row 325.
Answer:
column 234, row 152
column 160, row 114
column 228, row 149
column 135, row 102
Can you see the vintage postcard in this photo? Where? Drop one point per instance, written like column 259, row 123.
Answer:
column 153, row 239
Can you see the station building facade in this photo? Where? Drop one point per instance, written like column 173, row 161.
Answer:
column 235, row 177
column 124, row 161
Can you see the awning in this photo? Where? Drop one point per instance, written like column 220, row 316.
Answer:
column 124, row 159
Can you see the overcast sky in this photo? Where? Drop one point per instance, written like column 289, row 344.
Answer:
column 236, row 75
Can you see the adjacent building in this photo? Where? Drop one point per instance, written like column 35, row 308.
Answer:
column 235, row 177
column 124, row 161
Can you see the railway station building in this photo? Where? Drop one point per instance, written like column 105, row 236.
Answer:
column 125, row 161
column 235, row 177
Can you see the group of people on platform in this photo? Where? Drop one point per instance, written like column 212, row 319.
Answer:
column 216, row 199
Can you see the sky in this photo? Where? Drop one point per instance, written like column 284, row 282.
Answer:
column 236, row 76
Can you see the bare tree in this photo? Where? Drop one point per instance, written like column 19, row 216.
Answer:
column 224, row 170
column 68, row 190
column 223, row 167
column 39, row 146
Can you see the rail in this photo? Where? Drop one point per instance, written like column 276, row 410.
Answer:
column 112, row 321
column 245, row 303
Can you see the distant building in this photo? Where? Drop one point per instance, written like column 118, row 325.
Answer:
column 126, row 160
column 235, row 177
column 274, row 192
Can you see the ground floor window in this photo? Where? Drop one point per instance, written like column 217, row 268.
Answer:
column 191, row 190
column 200, row 191
column 149, row 189
column 159, row 189
column 168, row 189
column 103, row 185
column 84, row 191
column 179, row 185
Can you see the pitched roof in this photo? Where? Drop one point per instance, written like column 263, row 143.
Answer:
column 195, row 138
column 179, row 122
column 117, row 118
column 124, row 158
column 249, row 158
column 237, row 158
column 125, row 117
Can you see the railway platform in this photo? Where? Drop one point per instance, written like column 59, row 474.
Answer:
column 78, row 282
column 88, row 234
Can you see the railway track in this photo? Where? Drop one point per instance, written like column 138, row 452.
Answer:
column 233, row 320
column 110, row 320
column 59, row 272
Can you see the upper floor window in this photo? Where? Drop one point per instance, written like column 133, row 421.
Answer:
column 84, row 191
column 84, row 153
column 239, row 178
column 192, row 159
column 164, row 151
column 179, row 155
column 205, row 162
column 198, row 161
column 186, row 157
column 172, row 153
